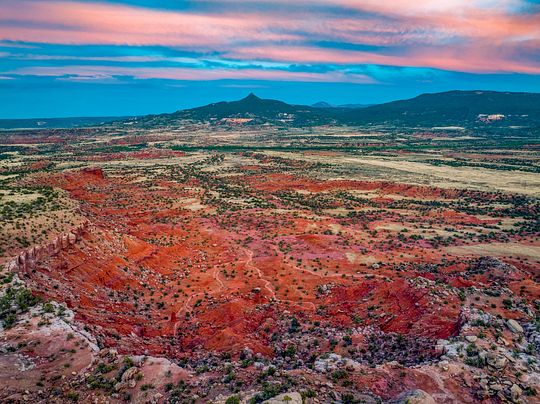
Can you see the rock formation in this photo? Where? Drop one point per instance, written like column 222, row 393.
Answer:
column 28, row 259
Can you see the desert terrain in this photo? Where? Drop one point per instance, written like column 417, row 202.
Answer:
column 240, row 263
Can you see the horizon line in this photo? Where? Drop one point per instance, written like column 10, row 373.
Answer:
column 273, row 99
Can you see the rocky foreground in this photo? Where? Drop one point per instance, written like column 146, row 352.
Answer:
column 47, row 356
column 228, row 279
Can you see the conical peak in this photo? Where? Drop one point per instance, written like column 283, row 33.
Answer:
column 251, row 97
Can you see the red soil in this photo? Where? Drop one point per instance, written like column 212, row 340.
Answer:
column 283, row 182
column 146, row 154
column 170, row 280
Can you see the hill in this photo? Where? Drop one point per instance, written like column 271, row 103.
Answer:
column 453, row 108
column 248, row 110
column 464, row 108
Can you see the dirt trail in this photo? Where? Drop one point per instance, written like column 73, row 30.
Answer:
column 215, row 274
column 184, row 309
column 249, row 264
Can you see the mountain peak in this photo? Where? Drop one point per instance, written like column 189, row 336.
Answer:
column 251, row 97
column 322, row 104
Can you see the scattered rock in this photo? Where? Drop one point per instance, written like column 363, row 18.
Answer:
column 514, row 326
column 330, row 363
column 496, row 361
column 157, row 397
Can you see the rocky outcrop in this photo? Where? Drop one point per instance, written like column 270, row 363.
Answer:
column 95, row 171
column 28, row 259
column 288, row 398
column 415, row 397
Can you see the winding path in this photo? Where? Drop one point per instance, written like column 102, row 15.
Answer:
column 249, row 264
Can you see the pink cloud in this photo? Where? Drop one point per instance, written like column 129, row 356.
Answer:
column 462, row 59
column 98, row 23
column 463, row 35
column 407, row 7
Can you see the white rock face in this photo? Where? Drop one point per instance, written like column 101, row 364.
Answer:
column 328, row 364
column 287, row 398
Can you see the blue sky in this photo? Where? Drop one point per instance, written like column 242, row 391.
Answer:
column 87, row 58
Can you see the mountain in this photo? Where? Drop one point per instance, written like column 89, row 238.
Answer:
column 258, row 110
column 322, row 104
column 248, row 107
column 463, row 108
column 248, row 110
column 452, row 108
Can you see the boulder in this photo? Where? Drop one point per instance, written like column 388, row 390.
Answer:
column 287, row 398
column 415, row 397
column 515, row 392
column 72, row 238
column 129, row 374
column 496, row 361
column 65, row 241
column 514, row 326
column 57, row 245
column 12, row 265
column 156, row 398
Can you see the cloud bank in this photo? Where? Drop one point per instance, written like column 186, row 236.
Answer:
column 391, row 44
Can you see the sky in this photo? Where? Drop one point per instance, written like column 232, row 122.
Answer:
column 131, row 57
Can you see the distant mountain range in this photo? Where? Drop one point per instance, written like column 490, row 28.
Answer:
column 324, row 104
column 452, row 108
column 462, row 108
column 48, row 123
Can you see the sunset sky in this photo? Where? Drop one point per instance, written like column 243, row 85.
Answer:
column 124, row 57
